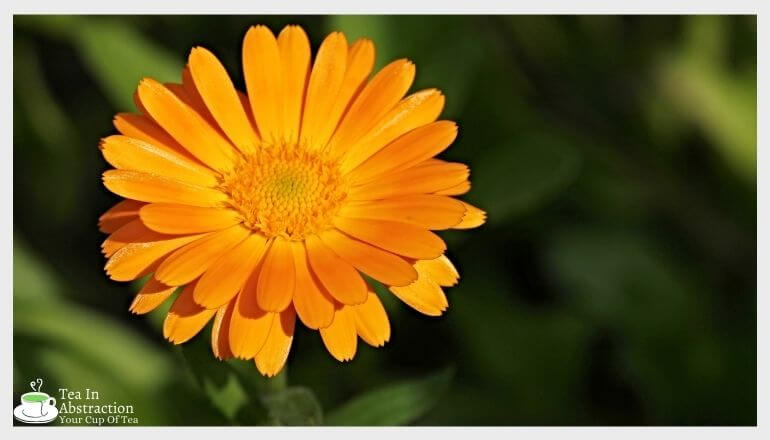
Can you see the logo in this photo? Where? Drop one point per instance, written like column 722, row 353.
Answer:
column 36, row 406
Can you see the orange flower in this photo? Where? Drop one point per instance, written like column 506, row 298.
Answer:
column 271, row 205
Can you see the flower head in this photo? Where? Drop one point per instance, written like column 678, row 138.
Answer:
column 270, row 205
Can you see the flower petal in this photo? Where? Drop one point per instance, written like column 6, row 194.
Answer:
column 387, row 87
column 185, row 125
column 340, row 338
column 157, row 189
column 262, row 72
column 339, row 278
column 413, row 111
column 228, row 274
column 272, row 357
column 427, row 177
column 414, row 147
column 185, row 318
column 276, row 279
column 423, row 295
column 294, row 48
column 153, row 294
column 188, row 93
column 134, row 259
column 379, row 264
column 189, row 262
column 425, row 210
column 459, row 189
column 312, row 302
column 473, row 217
column 127, row 153
column 145, row 129
column 250, row 324
column 360, row 64
column 399, row 238
column 119, row 215
column 439, row 270
column 324, row 85
column 372, row 322
column 131, row 232
column 183, row 219
column 218, row 93
column 220, row 332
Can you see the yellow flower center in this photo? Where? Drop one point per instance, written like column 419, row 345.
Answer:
column 285, row 191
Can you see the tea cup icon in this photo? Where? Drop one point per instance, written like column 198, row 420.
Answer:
column 37, row 404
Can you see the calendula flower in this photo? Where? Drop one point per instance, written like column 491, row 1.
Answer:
column 272, row 204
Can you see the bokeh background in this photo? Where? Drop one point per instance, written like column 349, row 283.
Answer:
column 613, row 284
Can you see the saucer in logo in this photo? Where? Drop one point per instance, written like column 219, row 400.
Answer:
column 36, row 406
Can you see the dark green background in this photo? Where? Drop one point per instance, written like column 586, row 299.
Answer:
column 614, row 282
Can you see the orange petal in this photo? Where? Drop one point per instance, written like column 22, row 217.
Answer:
column 134, row 259
column 189, row 96
column 339, row 278
column 189, row 262
column 262, row 72
column 418, row 145
column 360, row 64
column 250, row 324
column 413, row 111
column 439, row 270
column 324, row 85
column 138, row 103
column 423, row 295
column 153, row 294
column 220, row 332
column 229, row 273
column 217, row 91
column 119, row 215
column 313, row 304
column 473, row 217
column 145, row 129
column 185, row 318
column 294, row 48
column 459, row 189
column 247, row 109
column 400, row 238
column 185, row 125
column 272, row 357
column 131, row 232
column 183, row 219
column 188, row 93
column 387, row 87
column 276, row 279
column 428, row 177
column 372, row 322
column 425, row 210
column 379, row 264
column 127, row 153
column 340, row 338
column 157, row 189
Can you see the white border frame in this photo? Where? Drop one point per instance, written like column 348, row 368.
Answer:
column 389, row 7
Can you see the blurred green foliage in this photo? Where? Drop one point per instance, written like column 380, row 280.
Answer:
column 614, row 283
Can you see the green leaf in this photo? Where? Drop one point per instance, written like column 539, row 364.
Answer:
column 397, row 404
column 520, row 177
column 661, row 309
column 221, row 383
column 72, row 347
column 294, row 406
column 115, row 53
column 699, row 83
column 119, row 57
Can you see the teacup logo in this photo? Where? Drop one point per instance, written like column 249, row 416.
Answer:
column 36, row 406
